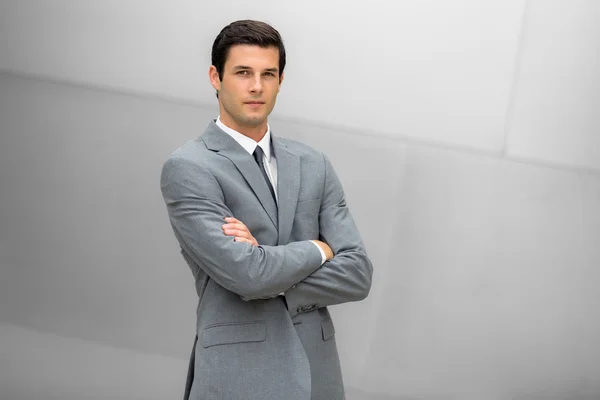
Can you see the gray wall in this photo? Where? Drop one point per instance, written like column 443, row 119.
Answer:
column 471, row 127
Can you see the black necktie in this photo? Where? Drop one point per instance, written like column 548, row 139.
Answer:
column 259, row 156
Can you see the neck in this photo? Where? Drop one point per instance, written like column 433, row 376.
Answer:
column 255, row 133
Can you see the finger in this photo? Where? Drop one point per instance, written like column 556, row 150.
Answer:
column 241, row 239
column 237, row 232
column 232, row 219
column 235, row 226
column 232, row 232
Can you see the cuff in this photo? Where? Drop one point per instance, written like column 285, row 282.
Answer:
column 323, row 256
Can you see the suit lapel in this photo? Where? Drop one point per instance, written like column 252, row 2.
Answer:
column 288, row 186
column 226, row 146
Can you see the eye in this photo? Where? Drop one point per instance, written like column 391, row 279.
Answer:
column 269, row 74
column 243, row 72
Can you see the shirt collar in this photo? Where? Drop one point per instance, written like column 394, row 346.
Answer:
column 248, row 144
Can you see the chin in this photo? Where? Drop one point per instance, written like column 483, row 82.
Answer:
column 255, row 121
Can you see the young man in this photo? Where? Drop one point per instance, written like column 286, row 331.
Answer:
column 259, row 219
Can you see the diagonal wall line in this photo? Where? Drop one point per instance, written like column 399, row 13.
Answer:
column 516, row 73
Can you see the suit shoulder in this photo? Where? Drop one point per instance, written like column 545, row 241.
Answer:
column 193, row 150
column 192, row 155
column 301, row 149
column 190, row 161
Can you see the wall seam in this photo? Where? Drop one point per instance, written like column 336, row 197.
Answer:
column 515, row 82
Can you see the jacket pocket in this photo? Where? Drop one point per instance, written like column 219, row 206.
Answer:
column 234, row 332
column 327, row 328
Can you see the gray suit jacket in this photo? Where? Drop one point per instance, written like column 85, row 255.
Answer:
column 252, row 344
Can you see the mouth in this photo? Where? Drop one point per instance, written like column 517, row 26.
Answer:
column 254, row 104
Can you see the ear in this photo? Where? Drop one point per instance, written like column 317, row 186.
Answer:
column 280, row 81
column 213, row 75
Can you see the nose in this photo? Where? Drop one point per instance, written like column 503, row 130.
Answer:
column 256, row 84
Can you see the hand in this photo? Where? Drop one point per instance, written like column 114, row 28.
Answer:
column 325, row 247
column 239, row 231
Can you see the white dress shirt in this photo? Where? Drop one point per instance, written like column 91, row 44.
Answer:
column 269, row 159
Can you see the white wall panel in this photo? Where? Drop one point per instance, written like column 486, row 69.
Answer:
column 91, row 251
column 490, row 292
column 555, row 115
column 431, row 70
column 147, row 46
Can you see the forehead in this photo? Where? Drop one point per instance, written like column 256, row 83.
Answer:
column 253, row 56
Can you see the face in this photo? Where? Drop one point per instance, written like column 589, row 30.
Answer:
column 249, row 87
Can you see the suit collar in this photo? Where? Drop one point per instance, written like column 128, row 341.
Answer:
column 247, row 143
column 219, row 141
column 288, row 176
column 288, row 186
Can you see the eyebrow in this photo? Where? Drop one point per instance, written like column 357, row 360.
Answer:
column 244, row 67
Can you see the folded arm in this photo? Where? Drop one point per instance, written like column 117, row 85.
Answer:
column 197, row 212
column 347, row 276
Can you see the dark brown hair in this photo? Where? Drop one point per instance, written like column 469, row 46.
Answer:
column 246, row 32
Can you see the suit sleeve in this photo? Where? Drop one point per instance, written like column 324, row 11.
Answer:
column 347, row 276
column 196, row 209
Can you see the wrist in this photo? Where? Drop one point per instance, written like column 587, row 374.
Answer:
column 321, row 251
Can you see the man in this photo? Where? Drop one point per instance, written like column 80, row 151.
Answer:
column 259, row 219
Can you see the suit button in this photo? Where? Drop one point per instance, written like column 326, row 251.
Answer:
column 300, row 309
